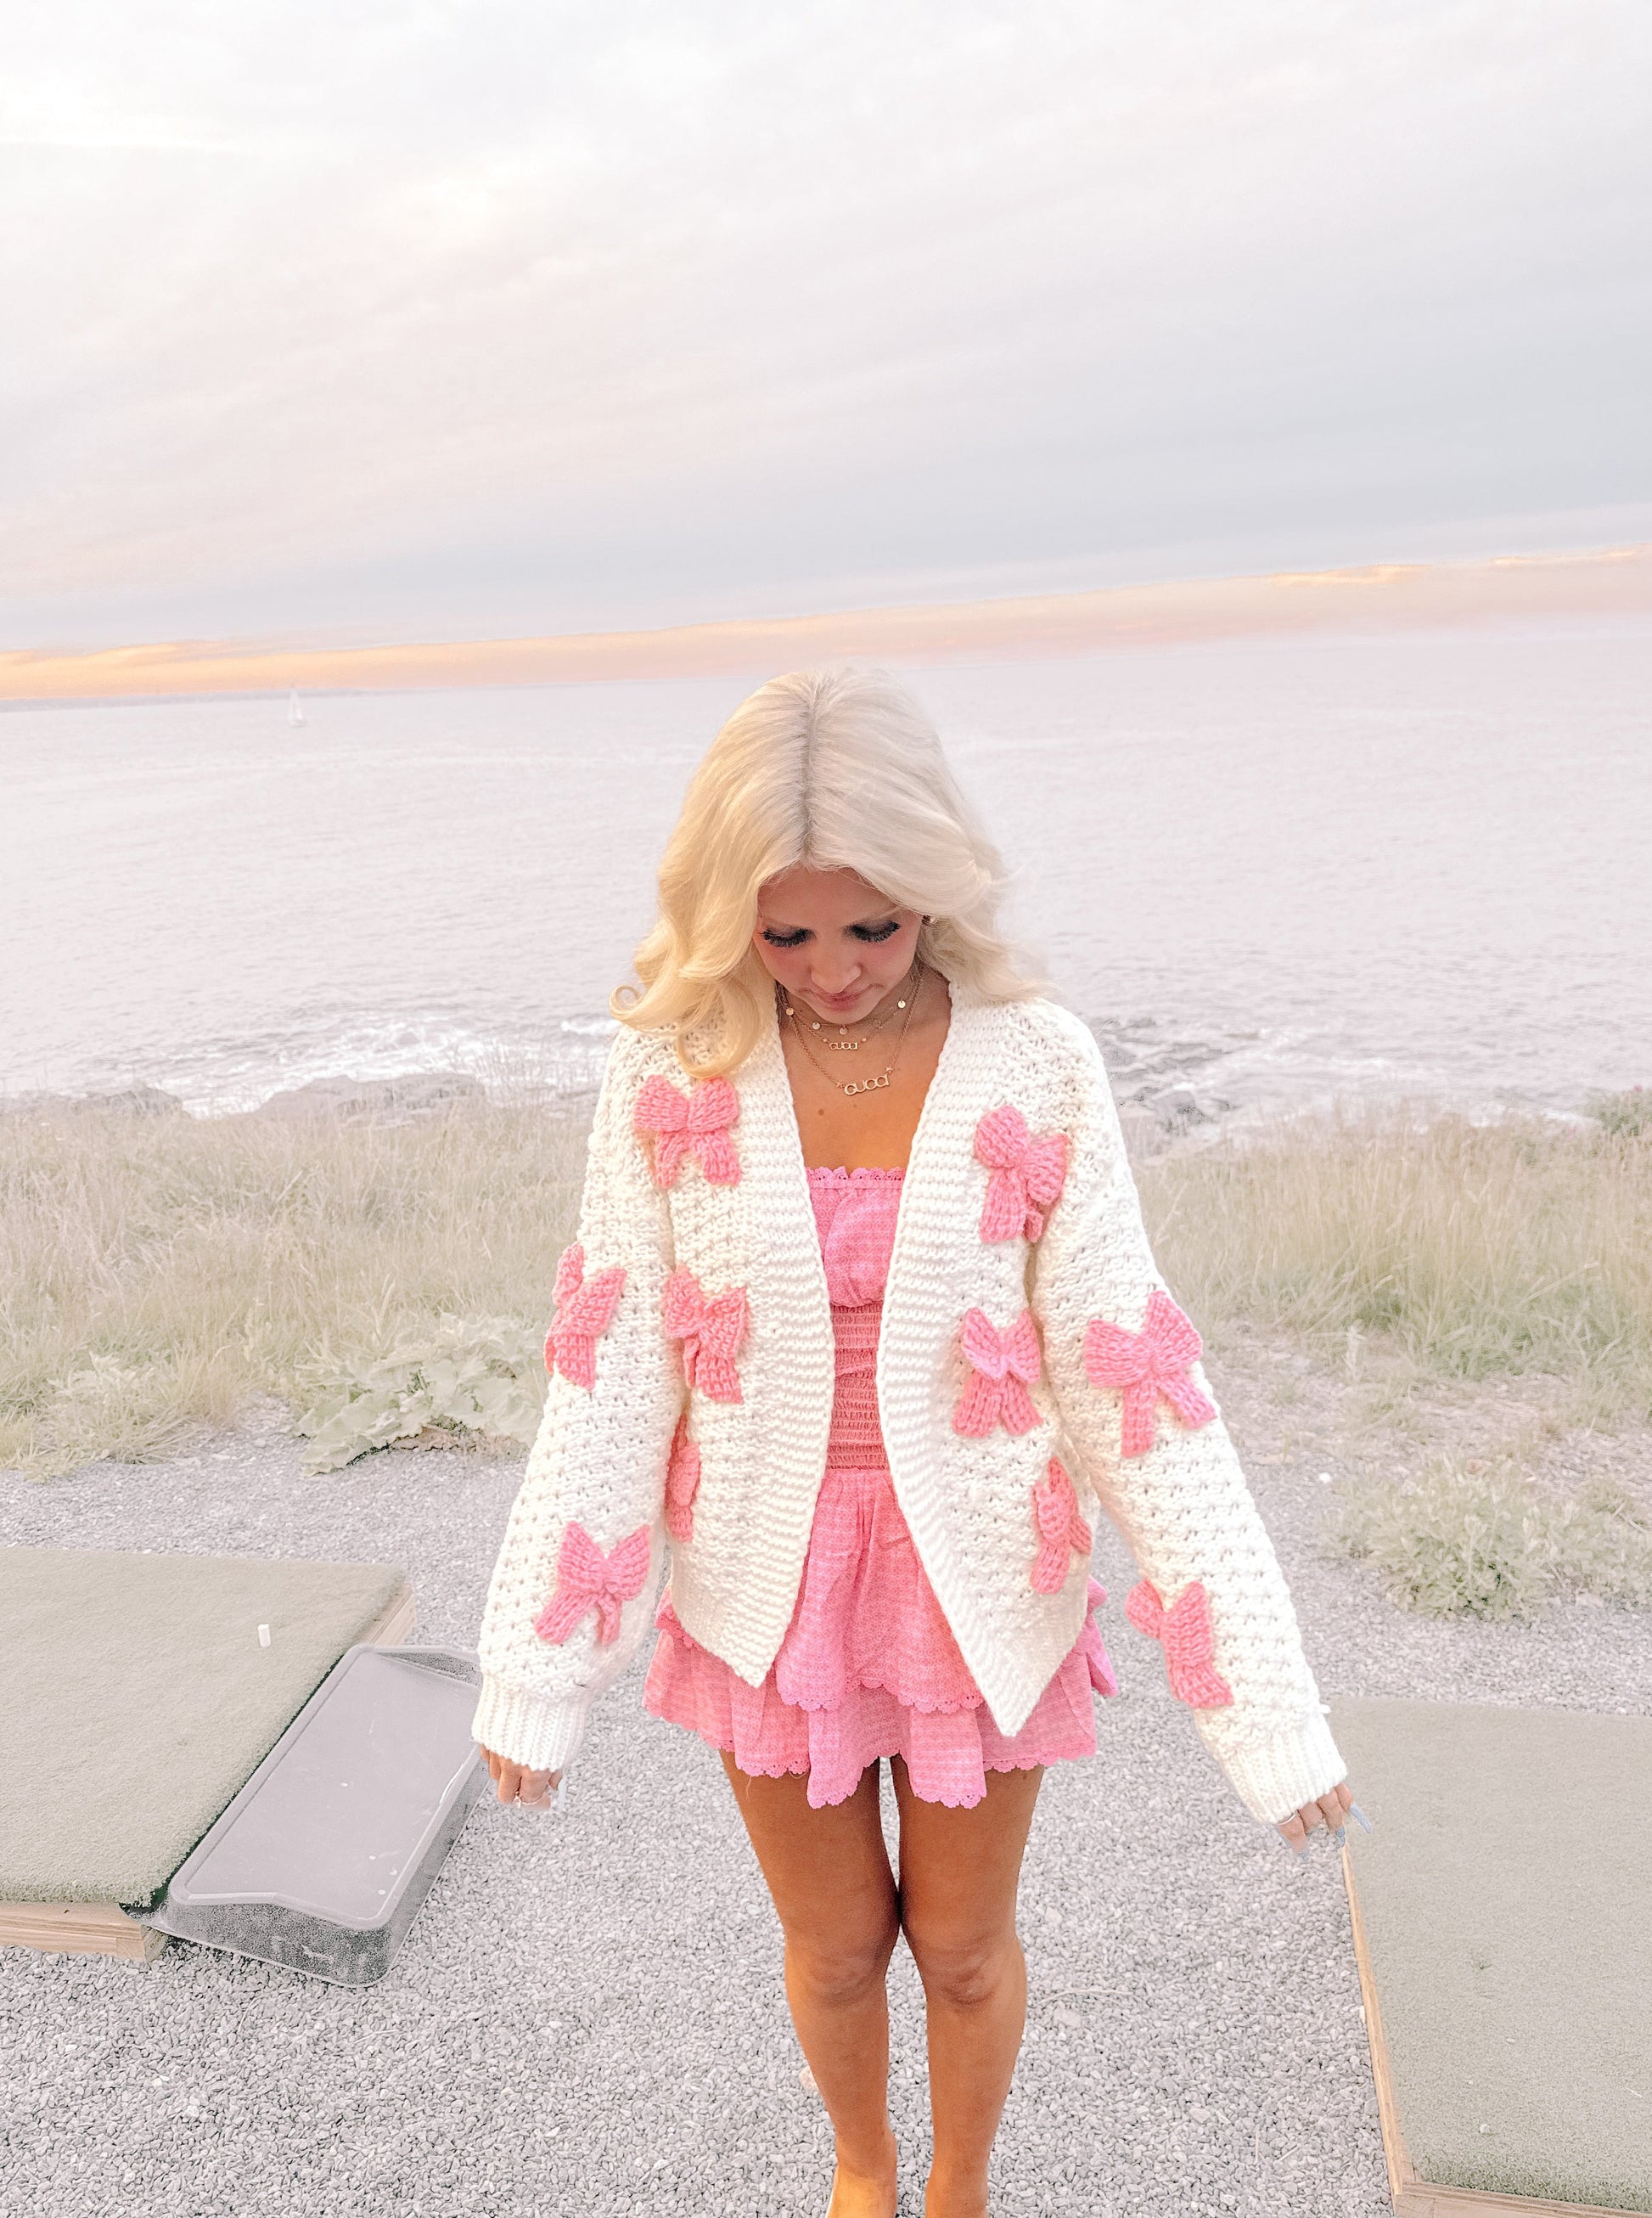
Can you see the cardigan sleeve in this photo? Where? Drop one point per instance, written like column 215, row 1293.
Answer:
column 1181, row 1503
column 573, row 1592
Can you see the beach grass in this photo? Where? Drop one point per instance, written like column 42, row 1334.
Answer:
column 1471, row 1251
column 158, row 1273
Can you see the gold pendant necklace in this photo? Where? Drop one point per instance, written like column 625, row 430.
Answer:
column 854, row 1086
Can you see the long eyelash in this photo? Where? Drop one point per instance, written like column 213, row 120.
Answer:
column 875, row 933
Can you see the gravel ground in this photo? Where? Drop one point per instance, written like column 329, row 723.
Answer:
column 588, row 2016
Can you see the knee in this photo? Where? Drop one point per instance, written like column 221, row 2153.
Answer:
column 964, row 1971
column 844, row 1970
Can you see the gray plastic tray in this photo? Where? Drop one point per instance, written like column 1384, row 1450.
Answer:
column 322, row 1859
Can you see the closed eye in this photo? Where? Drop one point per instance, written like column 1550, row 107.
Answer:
column 873, row 933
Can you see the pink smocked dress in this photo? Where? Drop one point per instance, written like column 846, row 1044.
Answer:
column 869, row 1667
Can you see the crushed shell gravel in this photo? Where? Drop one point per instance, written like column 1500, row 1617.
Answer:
column 588, row 2016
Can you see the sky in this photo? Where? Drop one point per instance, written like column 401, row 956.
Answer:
column 462, row 319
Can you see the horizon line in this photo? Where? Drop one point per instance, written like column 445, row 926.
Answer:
column 1367, row 598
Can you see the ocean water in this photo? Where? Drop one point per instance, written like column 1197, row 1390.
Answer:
column 1277, row 871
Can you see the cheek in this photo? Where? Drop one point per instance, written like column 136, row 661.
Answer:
column 892, row 955
column 782, row 962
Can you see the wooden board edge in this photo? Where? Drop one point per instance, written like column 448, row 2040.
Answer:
column 79, row 1928
column 394, row 1621
column 1413, row 2197
column 1424, row 2200
column 1401, row 2174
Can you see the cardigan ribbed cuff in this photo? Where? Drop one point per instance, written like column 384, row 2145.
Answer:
column 1280, row 1775
column 538, row 1731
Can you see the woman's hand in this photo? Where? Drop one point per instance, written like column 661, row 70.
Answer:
column 515, row 1783
column 1329, row 1811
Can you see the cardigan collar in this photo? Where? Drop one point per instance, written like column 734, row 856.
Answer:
column 787, row 1272
column 766, row 1097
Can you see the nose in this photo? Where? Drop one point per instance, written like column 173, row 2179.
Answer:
column 835, row 981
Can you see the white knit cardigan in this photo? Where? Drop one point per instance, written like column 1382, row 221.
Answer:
column 573, row 1592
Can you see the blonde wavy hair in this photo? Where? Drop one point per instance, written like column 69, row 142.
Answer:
column 838, row 769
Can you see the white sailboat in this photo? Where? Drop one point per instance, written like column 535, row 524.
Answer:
column 295, row 708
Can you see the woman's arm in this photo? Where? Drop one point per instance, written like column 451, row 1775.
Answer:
column 1135, row 1404
column 573, row 1592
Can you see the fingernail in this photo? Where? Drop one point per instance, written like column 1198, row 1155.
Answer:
column 1302, row 1855
column 1341, row 1835
column 1354, row 1811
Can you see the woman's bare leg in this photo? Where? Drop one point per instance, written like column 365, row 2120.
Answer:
column 959, row 1873
column 829, row 1874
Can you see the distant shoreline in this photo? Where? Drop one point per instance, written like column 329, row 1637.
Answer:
column 1594, row 582
column 1162, row 1093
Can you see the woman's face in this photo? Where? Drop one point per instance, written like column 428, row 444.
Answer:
column 833, row 941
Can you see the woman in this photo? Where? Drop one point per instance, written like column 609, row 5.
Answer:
column 860, row 1327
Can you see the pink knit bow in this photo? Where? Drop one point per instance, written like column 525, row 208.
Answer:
column 1102, row 1676
column 711, row 1331
column 582, row 1311
column 588, row 1579
column 682, row 1483
column 1028, row 1174
column 695, row 1125
column 1184, row 1632
column 1150, row 1367
column 1001, row 1364
column 1062, row 1531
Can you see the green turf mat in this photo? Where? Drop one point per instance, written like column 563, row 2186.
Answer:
column 1507, row 1895
column 135, row 1698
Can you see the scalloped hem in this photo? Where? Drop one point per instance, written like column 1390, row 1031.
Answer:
column 869, row 1668
column 959, row 1801
column 948, row 1751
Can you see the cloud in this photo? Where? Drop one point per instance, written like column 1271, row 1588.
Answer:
column 469, row 318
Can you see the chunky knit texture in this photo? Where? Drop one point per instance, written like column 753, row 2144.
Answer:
column 601, row 1457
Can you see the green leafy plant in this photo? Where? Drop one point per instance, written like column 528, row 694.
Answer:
column 1454, row 1543
column 471, row 1381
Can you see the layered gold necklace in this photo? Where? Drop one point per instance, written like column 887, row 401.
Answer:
column 841, row 1042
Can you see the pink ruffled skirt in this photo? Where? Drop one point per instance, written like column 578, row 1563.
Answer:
column 869, row 1668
